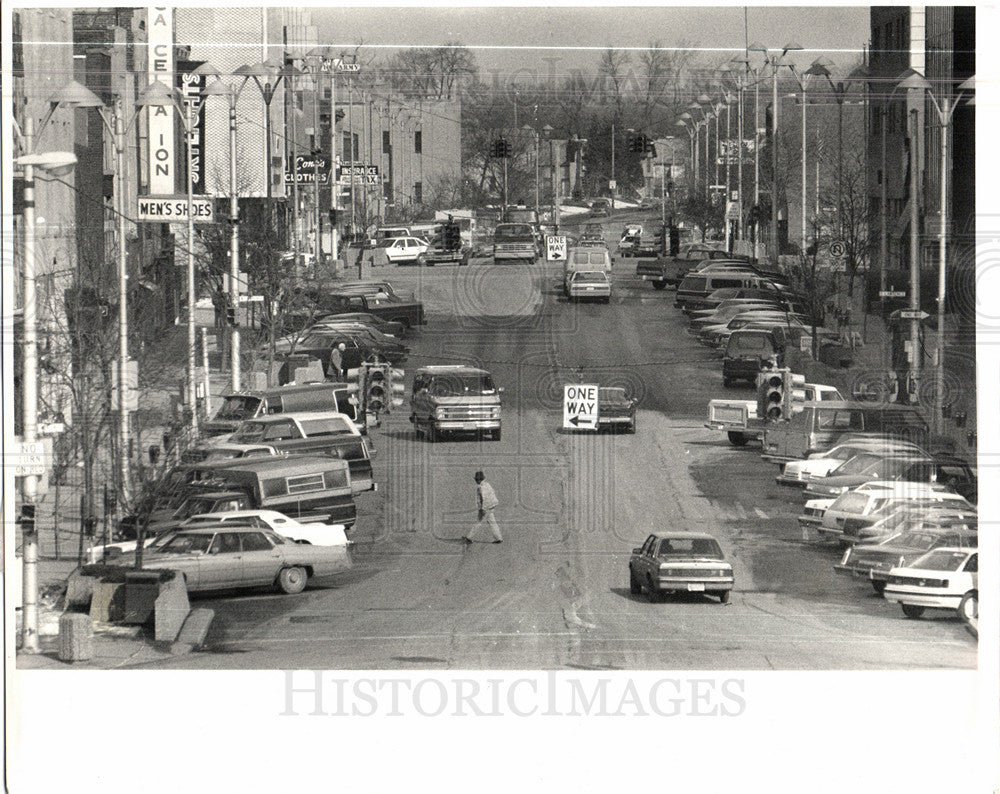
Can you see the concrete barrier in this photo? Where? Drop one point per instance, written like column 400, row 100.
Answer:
column 194, row 631
column 171, row 609
column 76, row 637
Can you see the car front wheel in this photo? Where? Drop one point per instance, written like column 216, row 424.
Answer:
column 724, row 596
column 654, row 594
column 634, row 585
column 659, row 284
column 912, row 611
column 968, row 608
column 879, row 587
column 292, row 580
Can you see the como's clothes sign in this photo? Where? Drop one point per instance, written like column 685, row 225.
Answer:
column 172, row 209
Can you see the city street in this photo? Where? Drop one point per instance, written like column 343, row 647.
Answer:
column 555, row 594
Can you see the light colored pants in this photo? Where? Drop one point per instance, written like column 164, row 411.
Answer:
column 490, row 521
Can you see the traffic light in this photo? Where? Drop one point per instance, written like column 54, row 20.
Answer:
column 638, row 143
column 231, row 317
column 505, row 148
column 27, row 518
column 377, row 388
column 397, row 389
column 358, row 374
column 438, row 239
column 452, row 237
column 794, row 393
column 771, row 395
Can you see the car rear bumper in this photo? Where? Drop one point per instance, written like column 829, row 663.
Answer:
column 467, row 424
column 913, row 596
column 713, row 585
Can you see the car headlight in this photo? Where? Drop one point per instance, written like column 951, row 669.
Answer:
column 439, row 413
column 846, row 557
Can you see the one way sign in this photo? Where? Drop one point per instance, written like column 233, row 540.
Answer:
column 580, row 407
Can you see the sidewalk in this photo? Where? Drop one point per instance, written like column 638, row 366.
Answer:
column 872, row 358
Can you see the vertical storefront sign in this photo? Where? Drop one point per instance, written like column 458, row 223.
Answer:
column 191, row 85
column 160, row 27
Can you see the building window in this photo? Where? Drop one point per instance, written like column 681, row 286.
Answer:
column 418, row 192
column 418, row 142
column 386, row 142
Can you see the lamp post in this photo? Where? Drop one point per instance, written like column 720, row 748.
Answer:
column 945, row 108
column 691, row 130
column 118, row 123
column 774, row 63
column 53, row 163
column 547, row 131
column 232, row 94
column 705, row 117
column 317, row 63
column 533, row 131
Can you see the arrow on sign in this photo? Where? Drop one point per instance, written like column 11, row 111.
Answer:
column 913, row 314
column 575, row 420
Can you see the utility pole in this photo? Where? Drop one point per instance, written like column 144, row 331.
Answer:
column 615, row 184
column 915, row 353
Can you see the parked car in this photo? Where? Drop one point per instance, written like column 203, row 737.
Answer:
column 874, row 561
column 748, row 352
column 873, row 500
column 799, row 472
column 900, row 516
column 950, row 471
column 615, row 409
column 404, row 250
column 387, row 327
column 589, row 285
column 368, row 298
column 219, row 558
column 680, row 562
column 239, row 406
column 945, row 578
column 316, row 533
column 204, row 452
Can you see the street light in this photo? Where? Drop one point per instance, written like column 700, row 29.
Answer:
column 533, row 131
column 118, row 123
column 774, row 62
column 706, row 117
column 231, row 94
column 547, row 131
column 945, row 109
column 54, row 163
column 691, row 130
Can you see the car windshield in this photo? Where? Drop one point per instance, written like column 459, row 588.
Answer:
column 749, row 343
column 512, row 230
column 941, row 560
column 688, row 547
column 611, row 394
column 194, row 505
column 693, row 283
column 460, row 385
column 250, row 432
column 238, row 407
column 856, row 464
column 184, row 543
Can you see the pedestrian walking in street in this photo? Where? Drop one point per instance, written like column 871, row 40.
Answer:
column 337, row 361
column 487, row 500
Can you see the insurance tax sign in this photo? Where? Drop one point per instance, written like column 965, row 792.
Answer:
column 172, row 209
column 580, row 406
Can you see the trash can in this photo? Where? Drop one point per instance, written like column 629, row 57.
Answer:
column 76, row 637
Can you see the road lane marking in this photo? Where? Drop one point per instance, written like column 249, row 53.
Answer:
column 760, row 513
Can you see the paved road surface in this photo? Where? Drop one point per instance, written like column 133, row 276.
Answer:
column 555, row 594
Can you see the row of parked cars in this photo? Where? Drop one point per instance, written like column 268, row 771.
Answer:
column 905, row 517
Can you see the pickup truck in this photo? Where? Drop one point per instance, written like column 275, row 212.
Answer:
column 515, row 241
column 394, row 308
column 740, row 420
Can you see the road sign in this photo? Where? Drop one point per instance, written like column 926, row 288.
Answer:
column 28, row 459
column 912, row 314
column 892, row 293
column 358, row 173
column 251, row 298
column 580, row 407
column 348, row 67
column 555, row 247
column 612, row 184
column 838, row 249
column 171, row 209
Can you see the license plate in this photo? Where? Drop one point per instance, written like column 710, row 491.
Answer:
column 696, row 587
column 468, row 425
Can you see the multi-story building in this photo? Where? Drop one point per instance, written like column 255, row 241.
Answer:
column 42, row 63
column 938, row 42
